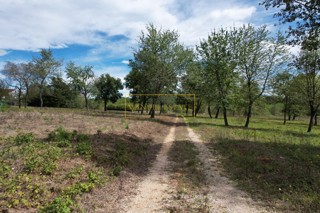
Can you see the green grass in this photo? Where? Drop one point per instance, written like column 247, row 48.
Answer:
column 274, row 162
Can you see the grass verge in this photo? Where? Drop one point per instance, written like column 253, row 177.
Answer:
column 273, row 162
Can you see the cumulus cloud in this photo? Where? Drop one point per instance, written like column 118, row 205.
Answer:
column 30, row 25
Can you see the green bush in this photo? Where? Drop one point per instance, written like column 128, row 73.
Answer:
column 116, row 170
column 59, row 205
column 64, row 143
column 23, row 138
column 84, row 148
column 60, row 134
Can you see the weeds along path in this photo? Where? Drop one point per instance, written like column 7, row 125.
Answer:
column 222, row 195
column 154, row 188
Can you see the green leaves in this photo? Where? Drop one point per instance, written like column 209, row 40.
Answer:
column 108, row 89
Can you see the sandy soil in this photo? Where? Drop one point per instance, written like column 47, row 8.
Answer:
column 155, row 186
column 220, row 193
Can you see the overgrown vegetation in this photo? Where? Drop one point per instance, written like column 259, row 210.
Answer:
column 273, row 162
column 49, row 175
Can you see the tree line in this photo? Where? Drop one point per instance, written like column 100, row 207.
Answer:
column 230, row 70
column 233, row 68
column 40, row 83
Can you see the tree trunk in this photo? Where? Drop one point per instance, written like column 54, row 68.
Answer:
column 248, row 115
column 187, row 108
column 316, row 119
column 41, row 100
column 289, row 118
column 225, row 118
column 285, row 111
column 198, row 106
column 294, row 117
column 152, row 110
column 312, row 114
column 217, row 113
column 105, row 105
column 26, row 98
column 284, row 117
column 161, row 108
column 209, row 111
column 86, row 101
column 19, row 98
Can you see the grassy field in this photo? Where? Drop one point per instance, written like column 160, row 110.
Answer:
column 277, row 163
column 51, row 158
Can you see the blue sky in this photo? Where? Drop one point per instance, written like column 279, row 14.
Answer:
column 103, row 33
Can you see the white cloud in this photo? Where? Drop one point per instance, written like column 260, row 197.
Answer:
column 3, row 52
column 30, row 25
column 125, row 62
column 115, row 71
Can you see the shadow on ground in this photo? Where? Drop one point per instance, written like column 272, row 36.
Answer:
column 124, row 151
column 284, row 172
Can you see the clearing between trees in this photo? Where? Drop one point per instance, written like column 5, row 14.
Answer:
column 90, row 161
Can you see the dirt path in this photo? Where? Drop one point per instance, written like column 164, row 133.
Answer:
column 155, row 187
column 221, row 193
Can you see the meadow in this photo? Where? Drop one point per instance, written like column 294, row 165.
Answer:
column 276, row 163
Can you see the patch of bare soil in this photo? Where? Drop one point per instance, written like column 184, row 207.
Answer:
column 221, row 193
column 42, row 122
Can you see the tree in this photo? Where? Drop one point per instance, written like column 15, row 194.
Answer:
column 259, row 58
column 192, row 82
column 19, row 76
column 62, row 94
column 159, row 58
column 282, row 85
column 45, row 67
column 218, row 54
column 305, row 16
column 308, row 64
column 81, row 79
column 108, row 89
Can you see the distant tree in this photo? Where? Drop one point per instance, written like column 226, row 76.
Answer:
column 20, row 77
column 62, row 94
column 260, row 57
column 3, row 89
column 27, row 78
column 81, row 79
column 136, row 81
column 304, row 16
column 308, row 64
column 45, row 67
column 13, row 73
column 282, row 86
column 192, row 83
column 160, row 59
column 108, row 89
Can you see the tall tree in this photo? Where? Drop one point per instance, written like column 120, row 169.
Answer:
column 108, row 89
column 303, row 17
column 218, row 55
column 160, row 58
column 81, row 78
column 193, row 82
column 308, row 64
column 45, row 67
column 259, row 58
